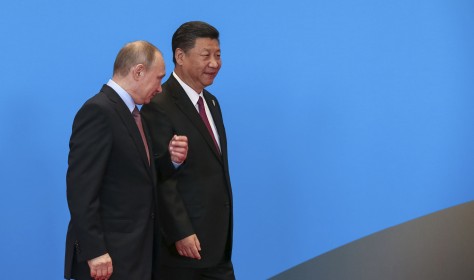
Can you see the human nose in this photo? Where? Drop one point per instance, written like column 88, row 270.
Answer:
column 215, row 62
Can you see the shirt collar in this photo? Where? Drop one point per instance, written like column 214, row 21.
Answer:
column 125, row 96
column 192, row 94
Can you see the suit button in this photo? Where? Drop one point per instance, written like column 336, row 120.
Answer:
column 76, row 245
column 152, row 216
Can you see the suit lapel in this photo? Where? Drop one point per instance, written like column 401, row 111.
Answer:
column 186, row 106
column 217, row 118
column 216, row 113
column 127, row 119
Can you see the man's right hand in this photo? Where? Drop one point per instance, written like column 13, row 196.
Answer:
column 189, row 247
column 178, row 148
column 101, row 267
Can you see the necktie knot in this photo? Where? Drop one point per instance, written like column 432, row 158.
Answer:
column 201, row 105
column 135, row 112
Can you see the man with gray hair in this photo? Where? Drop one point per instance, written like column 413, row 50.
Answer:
column 112, row 173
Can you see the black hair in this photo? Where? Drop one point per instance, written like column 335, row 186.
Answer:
column 186, row 35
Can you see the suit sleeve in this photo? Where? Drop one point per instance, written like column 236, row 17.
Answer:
column 90, row 146
column 174, row 219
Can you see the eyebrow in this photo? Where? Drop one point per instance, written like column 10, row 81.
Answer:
column 207, row 49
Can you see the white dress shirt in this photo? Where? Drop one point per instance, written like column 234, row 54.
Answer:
column 194, row 97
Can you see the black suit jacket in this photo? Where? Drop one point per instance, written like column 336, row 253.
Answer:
column 110, row 190
column 198, row 198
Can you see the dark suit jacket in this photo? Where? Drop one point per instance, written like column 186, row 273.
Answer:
column 110, row 191
column 198, row 198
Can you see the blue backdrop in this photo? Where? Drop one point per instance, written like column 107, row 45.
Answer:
column 344, row 117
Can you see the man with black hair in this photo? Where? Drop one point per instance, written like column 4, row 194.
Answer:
column 195, row 205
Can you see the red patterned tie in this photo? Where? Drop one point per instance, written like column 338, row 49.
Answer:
column 138, row 120
column 202, row 113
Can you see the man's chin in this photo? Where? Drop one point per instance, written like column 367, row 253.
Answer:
column 209, row 82
column 148, row 100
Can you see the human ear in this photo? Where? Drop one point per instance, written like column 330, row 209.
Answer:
column 179, row 56
column 138, row 71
